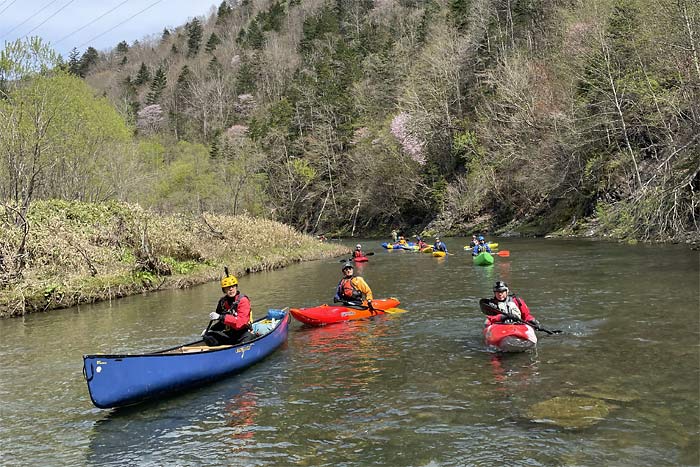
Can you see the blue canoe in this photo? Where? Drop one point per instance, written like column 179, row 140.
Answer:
column 119, row 380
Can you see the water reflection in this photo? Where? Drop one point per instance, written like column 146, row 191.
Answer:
column 513, row 373
column 151, row 432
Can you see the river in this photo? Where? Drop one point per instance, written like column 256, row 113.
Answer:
column 408, row 389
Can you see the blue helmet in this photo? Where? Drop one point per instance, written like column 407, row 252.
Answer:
column 480, row 237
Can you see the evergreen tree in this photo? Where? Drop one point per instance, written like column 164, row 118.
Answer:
column 160, row 81
column 182, row 87
column 174, row 50
column 143, row 76
column 123, row 61
column 165, row 36
column 122, row 47
column 74, row 62
column 223, row 13
column 254, row 36
column 88, row 59
column 212, row 43
column 214, row 66
column 194, row 40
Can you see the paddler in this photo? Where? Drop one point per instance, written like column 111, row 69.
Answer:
column 353, row 290
column 510, row 306
column 232, row 315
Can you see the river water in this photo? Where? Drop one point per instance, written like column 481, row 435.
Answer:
column 409, row 389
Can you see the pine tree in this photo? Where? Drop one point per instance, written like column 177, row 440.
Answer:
column 165, row 36
column 122, row 47
column 212, row 43
column 194, row 32
column 223, row 13
column 143, row 76
column 123, row 61
column 88, row 59
column 182, row 87
column 160, row 81
column 74, row 62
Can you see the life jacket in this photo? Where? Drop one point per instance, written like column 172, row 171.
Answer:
column 232, row 307
column 357, row 253
column 482, row 248
column 348, row 291
column 510, row 306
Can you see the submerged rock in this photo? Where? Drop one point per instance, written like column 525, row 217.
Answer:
column 569, row 412
column 608, row 393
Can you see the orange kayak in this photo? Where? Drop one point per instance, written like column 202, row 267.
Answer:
column 327, row 314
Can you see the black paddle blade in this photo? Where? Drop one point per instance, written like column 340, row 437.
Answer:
column 488, row 307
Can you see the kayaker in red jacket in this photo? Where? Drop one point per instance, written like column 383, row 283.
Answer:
column 232, row 314
column 509, row 305
column 358, row 251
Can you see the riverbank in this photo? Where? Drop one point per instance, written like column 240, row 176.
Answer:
column 68, row 253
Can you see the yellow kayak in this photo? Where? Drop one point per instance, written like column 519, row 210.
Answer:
column 439, row 254
column 491, row 245
column 427, row 249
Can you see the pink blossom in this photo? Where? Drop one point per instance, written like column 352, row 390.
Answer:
column 409, row 142
column 149, row 119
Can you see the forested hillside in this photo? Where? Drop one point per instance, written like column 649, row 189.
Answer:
column 353, row 117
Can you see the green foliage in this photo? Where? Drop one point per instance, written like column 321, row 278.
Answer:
column 56, row 125
column 212, row 43
column 158, row 85
column 143, row 75
column 26, row 58
column 180, row 267
column 223, row 13
column 194, row 37
column 271, row 20
column 122, row 47
column 88, row 60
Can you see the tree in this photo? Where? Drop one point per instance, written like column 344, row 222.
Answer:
column 223, row 13
column 58, row 140
column 88, row 60
column 24, row 58
column 160, row 81
column 212, row 43
column 143, row 76
column 194, row 37
column 74, row 62
column 122, row 47
column 165, row 36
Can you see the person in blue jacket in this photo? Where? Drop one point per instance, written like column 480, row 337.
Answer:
column 439, row 245
column 481, row 247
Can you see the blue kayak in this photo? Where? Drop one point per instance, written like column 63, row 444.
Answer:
column 119, row 380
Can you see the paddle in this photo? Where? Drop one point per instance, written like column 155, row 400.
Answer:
column 347, row 260
column 504, row 253
column 489, row 309
column 366, row 307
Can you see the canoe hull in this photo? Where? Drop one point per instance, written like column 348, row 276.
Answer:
column 120, row 380
column 510, row 337
column 483, row 259
column 328, row 314
column 439, row 254
column 360, row 259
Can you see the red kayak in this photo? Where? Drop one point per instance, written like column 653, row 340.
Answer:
column 327, row 314
column 510, row 337
column 360, row 259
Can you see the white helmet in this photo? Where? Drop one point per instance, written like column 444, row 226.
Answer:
column 358, row 247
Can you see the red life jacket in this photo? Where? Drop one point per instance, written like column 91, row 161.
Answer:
column 348, row 291
column 232, row 307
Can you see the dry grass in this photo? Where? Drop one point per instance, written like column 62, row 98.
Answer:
column 81, row 252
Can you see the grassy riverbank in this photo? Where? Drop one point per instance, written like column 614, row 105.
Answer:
column 68, row 253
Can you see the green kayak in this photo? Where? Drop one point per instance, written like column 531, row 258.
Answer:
column 483, row 259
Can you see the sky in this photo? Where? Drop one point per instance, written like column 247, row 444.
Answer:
column 102, row 24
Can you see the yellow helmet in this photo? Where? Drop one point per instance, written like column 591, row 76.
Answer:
column 228, row 281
